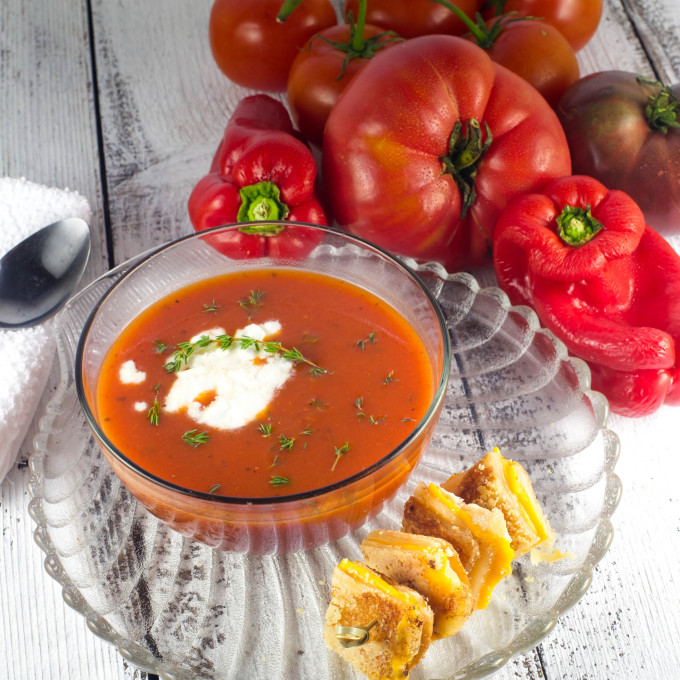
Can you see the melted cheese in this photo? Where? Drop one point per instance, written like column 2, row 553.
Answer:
column 366, row 576
column 496, row 554
column 527, row 505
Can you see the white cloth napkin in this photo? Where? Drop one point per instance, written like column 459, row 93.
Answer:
column 26, row 354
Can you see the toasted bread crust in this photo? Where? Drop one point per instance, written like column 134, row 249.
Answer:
column 420, row 518
column 397, row 641
column 485, row 484
column 429, row 565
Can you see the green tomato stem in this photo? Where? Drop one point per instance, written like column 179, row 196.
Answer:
column 664, row 110
column 288, row 7
column 358, row 34
column 467, row 146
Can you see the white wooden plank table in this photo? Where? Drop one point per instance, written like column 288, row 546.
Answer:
column 121, row 100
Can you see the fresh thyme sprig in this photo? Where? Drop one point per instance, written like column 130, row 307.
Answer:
column 180, row 357
column 286, row 443
column 212, row 307
column 277, row 480
column 153, row 414
column 390, row 378
column 253, row 300
column 160, row 346
column 361, row 344
column 265, row 429
column 195, row 438
column 339, row 453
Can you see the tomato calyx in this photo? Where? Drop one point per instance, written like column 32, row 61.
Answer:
column 467, row 146
column 664, row 110
column 577, row 226
column 261, row 202
column 358, row 46
column 485, row 35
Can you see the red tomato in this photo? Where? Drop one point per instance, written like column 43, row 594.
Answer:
column 318, row 76
column 625, row 132
column 538, row 52
column 255, row 50
column 394, row 172
column 577, row 20
column 411, row 18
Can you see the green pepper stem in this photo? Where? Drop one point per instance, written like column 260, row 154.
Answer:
column 261, row 202
column 577, row 226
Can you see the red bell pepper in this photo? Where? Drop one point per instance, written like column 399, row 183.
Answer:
column 602, row 281
column 261, row 172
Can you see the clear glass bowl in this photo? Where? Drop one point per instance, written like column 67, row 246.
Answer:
column 283, row 523
column 178, row 608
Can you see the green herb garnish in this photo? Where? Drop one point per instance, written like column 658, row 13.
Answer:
column 180, row 356
column 362, row 343
column 339, row 453
column 195, row 438
column 265, row 429
column 214, row 488
column 276, row 480
column 253, row 300
column 390, row 378
column 160, row 346
column 212, row 307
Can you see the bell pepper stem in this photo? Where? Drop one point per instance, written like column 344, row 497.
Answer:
column 261, row 202
column 577, row 226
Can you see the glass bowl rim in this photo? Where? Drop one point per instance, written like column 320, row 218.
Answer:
column 220, row 500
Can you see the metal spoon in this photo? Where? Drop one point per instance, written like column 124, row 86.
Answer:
column 39, row 274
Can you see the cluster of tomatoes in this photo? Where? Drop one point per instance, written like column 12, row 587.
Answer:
column 307, row 53
column 382, row 147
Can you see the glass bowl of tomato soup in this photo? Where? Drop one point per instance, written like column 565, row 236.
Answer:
column 264, row 388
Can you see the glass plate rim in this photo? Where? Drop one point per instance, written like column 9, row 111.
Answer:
column 540, row 625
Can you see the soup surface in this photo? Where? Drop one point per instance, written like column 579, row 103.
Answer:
column 263, row 383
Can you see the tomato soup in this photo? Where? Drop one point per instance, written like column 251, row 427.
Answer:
column 264, row 383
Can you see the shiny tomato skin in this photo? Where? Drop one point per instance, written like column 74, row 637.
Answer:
column 314, row 82
column 254, row 50
column 577, row 20
column 386, row 136
column 537, row 52
column 603, row 116
column 411, row 18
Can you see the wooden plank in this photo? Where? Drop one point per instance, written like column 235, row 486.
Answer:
column 48, row 135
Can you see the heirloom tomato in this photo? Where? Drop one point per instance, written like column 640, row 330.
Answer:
column 429, row 142
column 411, row 18
column 253, row 48
column 577, row 20
column 322, row 70
column 624, row 130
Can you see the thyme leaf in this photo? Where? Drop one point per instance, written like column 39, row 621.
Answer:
column 195, row 438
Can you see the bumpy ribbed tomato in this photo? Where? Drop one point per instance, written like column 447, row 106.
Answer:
column 429, row 142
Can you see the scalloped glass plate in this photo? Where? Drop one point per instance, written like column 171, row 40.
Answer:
column 180, row 609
